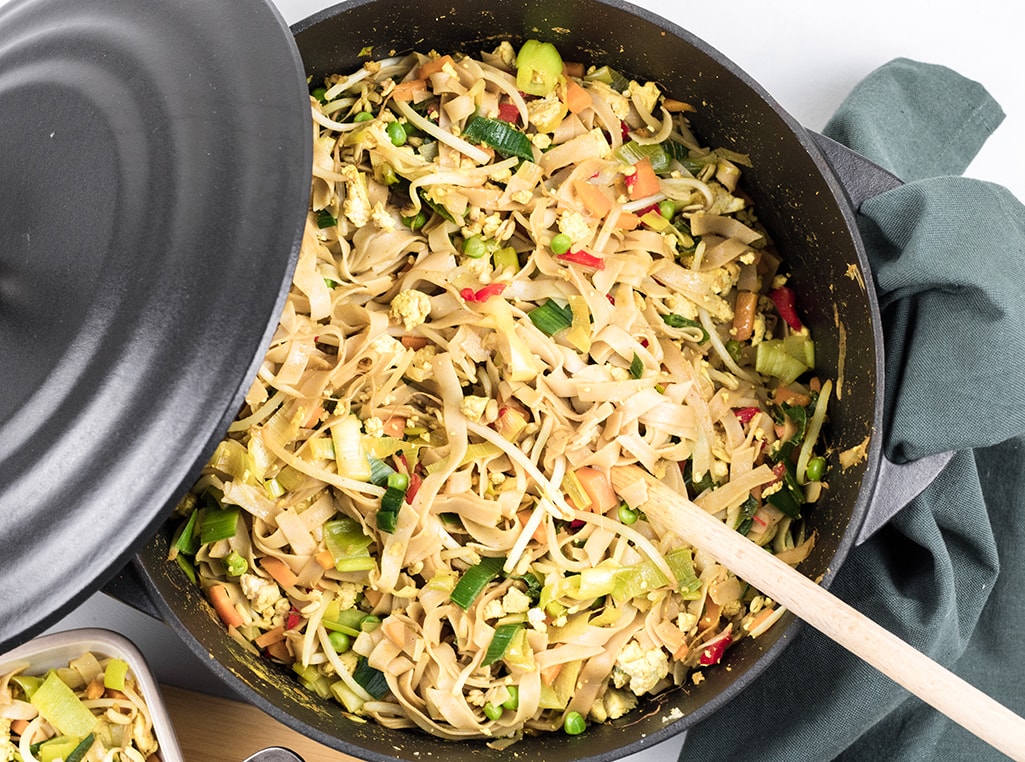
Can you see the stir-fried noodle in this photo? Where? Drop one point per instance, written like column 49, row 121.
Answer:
column 515, row 275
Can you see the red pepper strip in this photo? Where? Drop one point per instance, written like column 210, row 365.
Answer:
column 415, row 480
column 783, row 298
column 508, row 112
column 292, row 620
column 652, row 208
column 745, row 414
column 712, row 652
column 624, row 130
column 482, row 294
column 583, row 258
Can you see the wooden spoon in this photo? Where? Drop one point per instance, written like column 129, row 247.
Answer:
column 960, row 701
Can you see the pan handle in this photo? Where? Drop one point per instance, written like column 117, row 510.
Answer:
column 127, row 586
column 861, row 178
column 897, row 484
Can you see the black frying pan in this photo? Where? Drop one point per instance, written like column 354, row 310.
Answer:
column 807, row 211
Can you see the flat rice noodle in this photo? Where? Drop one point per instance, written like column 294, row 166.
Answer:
column 734, row 491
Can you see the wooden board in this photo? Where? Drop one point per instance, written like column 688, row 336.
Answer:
column 211, row 727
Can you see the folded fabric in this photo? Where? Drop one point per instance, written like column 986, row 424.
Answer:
column 945, row 573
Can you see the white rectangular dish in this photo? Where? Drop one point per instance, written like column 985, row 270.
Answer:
column 56, row 650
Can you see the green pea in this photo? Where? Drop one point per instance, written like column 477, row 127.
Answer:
column 816, row 469
column 667, row 208
column 561, row 243
column 398, row 481
column 339, row 641
column 363, row 116
column 627, row 514
column 319, row 93
column 574, row 723
column 370, row 623
column 493, row 711
column 513, row 702
column 475, row 247
column 397, row 133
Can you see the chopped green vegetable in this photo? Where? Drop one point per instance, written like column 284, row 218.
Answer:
column 114, row 674
column 416, row 221
column 772, row 359
column 506, row 258
column 636, row 366
column 551, row 317
column 681, row 561
column 78, row 753
column 679, row 321
column 538, row 67
column 627, row 514
column 610, row 77
column 513, row 702
column 218, row 523
column 235, row 565
column 370, row 679
column 325, row 219
column 502, row 136
column 474, row 580
column 188, row 539
column 500, row 641
column 59, row 705
column 632, row 152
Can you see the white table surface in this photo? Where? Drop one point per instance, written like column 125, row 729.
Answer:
column 807, row 54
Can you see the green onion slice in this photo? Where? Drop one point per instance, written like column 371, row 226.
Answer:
column 370, row 679
column 502, row 136
column 474, row 580
column 551, row 317
column 500, row 641
column 218, row 523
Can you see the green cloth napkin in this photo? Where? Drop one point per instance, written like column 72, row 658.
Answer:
column 947, row 573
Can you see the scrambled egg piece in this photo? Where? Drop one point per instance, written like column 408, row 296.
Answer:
column 473, row 407
column 647, row 95
column 612, row 705
column 388, row 349
column 356, row 207
column 619, row 103
column 420, row 368
column 264, row 596
column 374, row 426
column 639, row 667
column 546, row 113
column 7, row 747
column 412, row 307
column 575, row 226
column 515, row 601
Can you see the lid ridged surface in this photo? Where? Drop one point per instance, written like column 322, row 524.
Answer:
column 154, row 186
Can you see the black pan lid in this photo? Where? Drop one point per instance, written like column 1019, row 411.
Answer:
column 153, row 186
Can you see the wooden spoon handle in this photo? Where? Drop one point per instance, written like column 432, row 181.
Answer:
column 960, row 701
